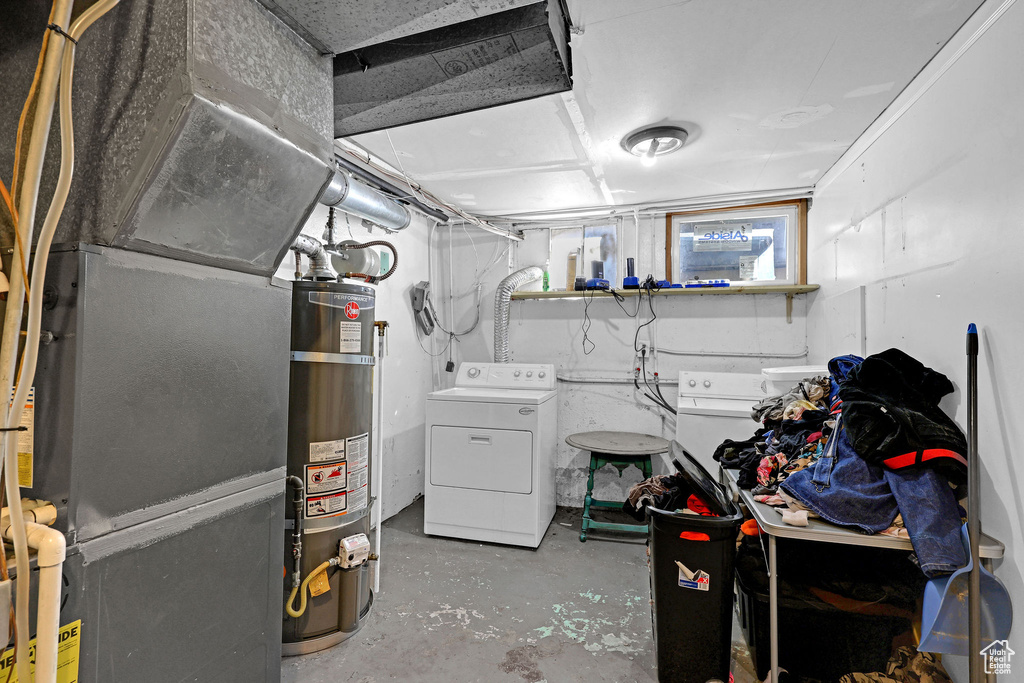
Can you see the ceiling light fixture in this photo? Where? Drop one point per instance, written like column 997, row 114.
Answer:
column 656, row 141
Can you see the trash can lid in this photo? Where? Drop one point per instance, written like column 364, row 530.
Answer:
column 701, row 482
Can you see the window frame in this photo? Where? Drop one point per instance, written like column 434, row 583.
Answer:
column 800, row 235
column 614, row 222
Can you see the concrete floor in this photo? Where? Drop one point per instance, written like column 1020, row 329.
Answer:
column 454, row 611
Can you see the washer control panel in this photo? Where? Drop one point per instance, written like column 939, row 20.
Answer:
column 719, row 385
column 506, row 376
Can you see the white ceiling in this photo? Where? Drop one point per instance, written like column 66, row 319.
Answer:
column 771, row 91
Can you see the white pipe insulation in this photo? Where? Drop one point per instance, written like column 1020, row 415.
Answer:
column 502, row 302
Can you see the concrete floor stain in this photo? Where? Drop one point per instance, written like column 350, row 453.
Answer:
column 522, row 660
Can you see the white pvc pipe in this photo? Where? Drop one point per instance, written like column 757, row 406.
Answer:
column 50, row 548
column 48, row 622
column 379, row 472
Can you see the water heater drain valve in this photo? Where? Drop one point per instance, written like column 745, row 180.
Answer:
column 354, row 551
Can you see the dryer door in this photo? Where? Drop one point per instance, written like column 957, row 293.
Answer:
column 482, row 459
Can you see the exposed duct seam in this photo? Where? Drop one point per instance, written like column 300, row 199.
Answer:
column 502, row 302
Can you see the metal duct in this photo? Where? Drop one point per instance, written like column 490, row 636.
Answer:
column 352, row 196
column 319, row 259
column 488, row 60
column 502, row 301
column 204, row 128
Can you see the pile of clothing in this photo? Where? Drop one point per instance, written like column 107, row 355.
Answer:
column 794, row 429
column 875, row 452
column 906, row 666
column 664, row 492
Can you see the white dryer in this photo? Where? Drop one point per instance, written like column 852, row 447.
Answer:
column 490, row 462
column 713, row 407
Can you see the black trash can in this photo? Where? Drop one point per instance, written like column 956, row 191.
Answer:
column 692, row 561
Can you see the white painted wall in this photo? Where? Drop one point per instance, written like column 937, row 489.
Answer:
column 928, row 221
column 549, row 331
column 407, row 379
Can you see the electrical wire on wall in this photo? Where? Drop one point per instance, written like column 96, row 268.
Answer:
column 475, row 288
column 585, row 327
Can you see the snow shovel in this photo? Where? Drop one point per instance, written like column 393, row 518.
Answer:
column 951, row 622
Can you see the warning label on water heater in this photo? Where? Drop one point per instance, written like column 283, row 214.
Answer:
column 325, row 451
column 351, row 337
column 358, row 448
column 358, row 459
column 326, row 506
column 326, row 478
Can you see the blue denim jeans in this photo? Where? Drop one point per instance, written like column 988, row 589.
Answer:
column 847, row 490
column 932, row 517
column 843, row 488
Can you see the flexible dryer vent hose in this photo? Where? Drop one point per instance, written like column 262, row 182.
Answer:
column 502, row 302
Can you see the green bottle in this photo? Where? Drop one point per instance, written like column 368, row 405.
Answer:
column 545, row 285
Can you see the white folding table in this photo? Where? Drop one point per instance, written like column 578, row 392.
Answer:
column 819, row 530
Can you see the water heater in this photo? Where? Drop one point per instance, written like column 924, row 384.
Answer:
column 329, row 428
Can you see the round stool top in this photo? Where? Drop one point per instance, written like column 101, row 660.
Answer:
column 618, row 443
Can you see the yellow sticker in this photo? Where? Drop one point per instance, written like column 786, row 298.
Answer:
column 69, row 638
column 319, row 584
column 26, row 439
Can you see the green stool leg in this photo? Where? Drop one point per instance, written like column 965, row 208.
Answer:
column 587, row 499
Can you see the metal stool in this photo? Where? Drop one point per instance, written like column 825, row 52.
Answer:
column 620, row 450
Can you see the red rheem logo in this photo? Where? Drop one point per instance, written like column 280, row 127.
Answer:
column 352, row 310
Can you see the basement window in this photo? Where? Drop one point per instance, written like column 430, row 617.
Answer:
column 756, row 244
column 582, row 252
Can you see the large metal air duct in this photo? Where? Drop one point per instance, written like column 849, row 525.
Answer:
column 502, row 301
column 352, row 196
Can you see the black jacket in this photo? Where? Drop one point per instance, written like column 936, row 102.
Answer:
column 892, row 415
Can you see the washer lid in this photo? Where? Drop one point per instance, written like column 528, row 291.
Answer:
column 722, row 407
column 794, row 373
column 485, row 395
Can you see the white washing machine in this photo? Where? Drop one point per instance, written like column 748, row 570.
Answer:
column 713, row 407
column 490, row 464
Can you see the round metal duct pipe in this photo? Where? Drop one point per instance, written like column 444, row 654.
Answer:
column 352, row 196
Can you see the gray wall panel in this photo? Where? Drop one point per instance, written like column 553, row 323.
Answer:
column 202, row 602
column 182, row 383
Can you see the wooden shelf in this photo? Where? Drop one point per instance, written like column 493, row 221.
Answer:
column 788, row 290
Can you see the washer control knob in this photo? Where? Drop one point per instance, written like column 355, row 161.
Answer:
column 542, row 374
column 516, row 373
column 529, row 373
column 473, row 372
column 707, row 384
column 693, row 382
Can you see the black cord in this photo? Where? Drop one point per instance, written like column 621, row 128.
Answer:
column 619, row 299
column 585, row 327
column 660, row 402
column 657, row 387
column 649, row 285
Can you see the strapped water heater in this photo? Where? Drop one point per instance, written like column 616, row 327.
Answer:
column 327, row 554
